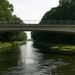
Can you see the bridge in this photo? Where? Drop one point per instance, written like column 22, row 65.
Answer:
column 67, row 26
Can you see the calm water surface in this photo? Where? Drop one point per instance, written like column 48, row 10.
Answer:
column 26, row 60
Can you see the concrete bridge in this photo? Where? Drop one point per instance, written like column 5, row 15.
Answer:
column 67, row 26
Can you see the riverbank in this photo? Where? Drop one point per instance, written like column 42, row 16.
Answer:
column 8, row 44
column 63, row 49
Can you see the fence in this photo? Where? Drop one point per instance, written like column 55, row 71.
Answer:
column 43, row 22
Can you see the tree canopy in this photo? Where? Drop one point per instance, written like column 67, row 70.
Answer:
column 64, row 11
column 6, row 10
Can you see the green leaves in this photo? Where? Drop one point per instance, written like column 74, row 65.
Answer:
column 6, row 10
column 65, row 11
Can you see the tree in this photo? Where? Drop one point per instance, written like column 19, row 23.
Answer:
column 64, row 11
column 6, row 10
column 16, row 20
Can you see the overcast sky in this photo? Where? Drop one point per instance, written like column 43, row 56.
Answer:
column 32, row 9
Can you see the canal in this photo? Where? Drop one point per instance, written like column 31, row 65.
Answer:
column 27, row 60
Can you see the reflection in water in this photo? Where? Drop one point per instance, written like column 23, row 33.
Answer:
column 28, row 54
column 30, row 58
column 26, row 60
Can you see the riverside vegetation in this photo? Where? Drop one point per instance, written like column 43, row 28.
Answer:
column 11, row 38
column 58, row 41
column 6, row 45
column 65, row 49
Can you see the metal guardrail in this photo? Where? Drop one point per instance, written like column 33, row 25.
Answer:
column 58, row 22
column 43, row 22
column 20, row 22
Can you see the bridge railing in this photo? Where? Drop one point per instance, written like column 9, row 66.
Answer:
column 58, row 22
column 43, row 22
column 19, row 22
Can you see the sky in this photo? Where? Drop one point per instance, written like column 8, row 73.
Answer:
column 32, row 9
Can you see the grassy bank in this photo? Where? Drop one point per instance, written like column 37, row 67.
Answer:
column 8, row 44
column 58, row 48
column 64, row 47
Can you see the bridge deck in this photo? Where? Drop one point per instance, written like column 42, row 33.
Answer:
column 38, row 27
column 48, row 25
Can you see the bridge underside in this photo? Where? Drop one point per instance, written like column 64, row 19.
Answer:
column 31, row 27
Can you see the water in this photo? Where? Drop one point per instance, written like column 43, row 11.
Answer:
column 26, row 60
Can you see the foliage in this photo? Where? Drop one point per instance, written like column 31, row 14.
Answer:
column 64, row 11
column 6, row 10
column 16, row 20
column 16, row 43
column 6, row 45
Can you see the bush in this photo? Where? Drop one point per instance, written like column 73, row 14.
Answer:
column 15, row 43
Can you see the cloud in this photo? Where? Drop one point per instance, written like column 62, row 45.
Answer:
column 32, row 9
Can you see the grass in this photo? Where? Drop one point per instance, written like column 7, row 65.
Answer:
column 8, row 44
column 64, row 47
column 16, row 43
column 5, row 45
